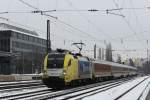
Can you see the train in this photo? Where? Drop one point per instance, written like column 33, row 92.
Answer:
column 63, row 68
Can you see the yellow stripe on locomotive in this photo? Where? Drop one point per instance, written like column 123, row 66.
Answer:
column 45, row 67
column 70, row 68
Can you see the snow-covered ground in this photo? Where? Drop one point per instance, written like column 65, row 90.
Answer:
column 140, row 92
column 21, row 91
column 113, row 93
column 14, row 82
column 145, row 93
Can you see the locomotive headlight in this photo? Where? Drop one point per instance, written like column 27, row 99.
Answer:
column 64, row 72
column 44, row 72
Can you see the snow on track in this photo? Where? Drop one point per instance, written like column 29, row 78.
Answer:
column 145, row 93
column 113, row 93
column 21, row 92
column 90, row 91
column 135, row 93
column 18, row 82
column 65, row 94
column 135, row 88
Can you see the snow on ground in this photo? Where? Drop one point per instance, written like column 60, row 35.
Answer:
column 2, row 94
column 101, row 87
column 145, row 93
column 111, row 94
column 4, row 83
column 135, row 93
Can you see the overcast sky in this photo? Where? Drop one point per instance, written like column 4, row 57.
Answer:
column 126, row 29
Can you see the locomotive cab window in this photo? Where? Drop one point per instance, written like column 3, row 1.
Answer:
column 56, row 60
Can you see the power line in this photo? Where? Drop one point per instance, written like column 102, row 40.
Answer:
column 31, row 6
column 127, row 22
column 89, row 21
column 137, row 20
column 87, row 34
column 43, row 13
column 124, row 37
column 69, row 30
column 87, row 18
column 68, row 10
column 79, row 30
column 39, row 11
column 16, row 23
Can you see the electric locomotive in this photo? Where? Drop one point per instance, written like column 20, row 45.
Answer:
column 62, row 68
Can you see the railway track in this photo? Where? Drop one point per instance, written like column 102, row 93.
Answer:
column 82, row 92
column 134, row 89
column 46, row 93
column 5, row 85
column 16, row 86
column 18, row 82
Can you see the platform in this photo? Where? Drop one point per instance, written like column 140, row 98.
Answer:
column 20, row 77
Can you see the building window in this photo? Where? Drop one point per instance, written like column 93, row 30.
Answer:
column 14, row 34
column 27, row 37
column 19, row 36
column 5, row 41
column 30, row 39
column 33, row 40
column 23, row 37
column 13, row 44
column 38, row 40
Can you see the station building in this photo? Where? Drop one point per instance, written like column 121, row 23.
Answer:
column 21, row 51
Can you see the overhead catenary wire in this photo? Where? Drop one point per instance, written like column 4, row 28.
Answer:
column 122, row 9
column 128, row 23
column 137, row 19
column 88, row 35
column 68, row 10
column 6, row 19
column 31, row 6
column 140, row 26
column 28, row 27
column 39, row 11
column 124, row 37
column 43, row 13
column 89, row 21
column 79, row 30
column 53, row 35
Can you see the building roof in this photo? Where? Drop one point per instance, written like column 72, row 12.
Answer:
column 5, row 26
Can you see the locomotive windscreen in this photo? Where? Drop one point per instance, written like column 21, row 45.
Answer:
column 56, row 60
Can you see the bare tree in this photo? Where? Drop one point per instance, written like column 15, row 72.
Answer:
column 146, row 68
column 131, row 63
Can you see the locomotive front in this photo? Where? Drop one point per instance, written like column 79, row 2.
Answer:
column 53, row 73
